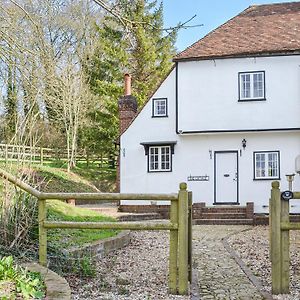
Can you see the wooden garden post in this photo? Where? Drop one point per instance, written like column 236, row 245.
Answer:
column 285, row 248
column 190, row 235
column 42, row 214
column 276, row 238
column 270, row 230
column 173, row 249
column 183, row 240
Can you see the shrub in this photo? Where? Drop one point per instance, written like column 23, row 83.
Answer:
column 18, row 223
column 22, row 282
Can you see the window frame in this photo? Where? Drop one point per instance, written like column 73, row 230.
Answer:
column 251, row 98
column 266, row 163
column 160, row 147
column 154, row 115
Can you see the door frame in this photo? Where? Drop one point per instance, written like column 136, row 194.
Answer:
column 215, row 178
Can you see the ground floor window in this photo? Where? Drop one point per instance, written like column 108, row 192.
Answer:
column 267, row 165
column 159, row 158
column 159, row 155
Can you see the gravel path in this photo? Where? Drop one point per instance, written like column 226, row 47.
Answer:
column 253, row 248
column 138, row 271
column 219, row 276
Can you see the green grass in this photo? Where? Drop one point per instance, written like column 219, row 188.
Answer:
column 66, row 238
column 103, row 178
column 59, row 180
column 55, row 178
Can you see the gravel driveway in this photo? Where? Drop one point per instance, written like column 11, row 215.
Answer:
column 138, row 271
column 253, row 248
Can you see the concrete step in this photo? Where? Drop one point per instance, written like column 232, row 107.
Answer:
column 222, row 215
column 222, row 222
column 139, row 217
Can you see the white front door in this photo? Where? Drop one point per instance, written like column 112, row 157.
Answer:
column 226, row 177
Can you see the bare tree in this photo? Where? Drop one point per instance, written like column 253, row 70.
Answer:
column 43, row 45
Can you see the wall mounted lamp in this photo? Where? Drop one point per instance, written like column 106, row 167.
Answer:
column 244, row 144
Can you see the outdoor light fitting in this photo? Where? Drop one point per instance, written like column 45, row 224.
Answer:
column 244, row 144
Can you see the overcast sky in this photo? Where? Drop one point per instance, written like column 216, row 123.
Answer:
column 210, row 13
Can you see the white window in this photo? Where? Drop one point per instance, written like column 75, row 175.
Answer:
column 252, row 86
column 266, row 165
column 159, row 158
column 159, row 108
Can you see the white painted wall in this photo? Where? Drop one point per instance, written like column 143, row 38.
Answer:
column 133, row 161
column 192, row 155
column 208, row 94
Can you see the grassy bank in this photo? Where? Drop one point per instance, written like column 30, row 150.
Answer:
column 48, row 178
column 67, row 238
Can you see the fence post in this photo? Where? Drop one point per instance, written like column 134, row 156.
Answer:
column 190, row 235
column 41, row 155
column 285, row 249
column 42, row 213
column 6, row 153
column 270, row 230
column 276, row 238
column 173, row 249
column 183, row 239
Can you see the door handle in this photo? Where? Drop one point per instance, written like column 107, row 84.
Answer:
column 226, row 175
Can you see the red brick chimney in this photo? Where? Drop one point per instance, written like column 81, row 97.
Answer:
column 127, row 111
column 127, row 105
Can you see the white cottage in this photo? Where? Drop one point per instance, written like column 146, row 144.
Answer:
column 226, row 120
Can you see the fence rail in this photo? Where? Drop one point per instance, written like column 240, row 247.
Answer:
column 179, row 225
column 42, row 154
column 280, row 227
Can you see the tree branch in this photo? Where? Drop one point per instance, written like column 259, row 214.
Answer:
column 125, row 21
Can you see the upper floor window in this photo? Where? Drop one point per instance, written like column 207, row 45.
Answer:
column 252, row 86
column 159, row 107
column 266, row 165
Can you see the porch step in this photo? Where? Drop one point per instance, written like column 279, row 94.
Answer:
column 223, row 222
column 223, row 215
column 224, row 209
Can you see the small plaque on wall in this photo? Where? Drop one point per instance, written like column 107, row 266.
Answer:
column 198, row 178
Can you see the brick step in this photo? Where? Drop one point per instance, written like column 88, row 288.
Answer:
column 222, row 215
column 139, row 217
column 222, row 222
column 223, row 209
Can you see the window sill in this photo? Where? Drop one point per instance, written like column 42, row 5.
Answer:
column 252, row 99
column 268, row 178
column 164, row 116
column 162, row 171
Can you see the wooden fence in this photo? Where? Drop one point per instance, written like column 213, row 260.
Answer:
column 179, row 225
column 279, row 237
column 41, row 154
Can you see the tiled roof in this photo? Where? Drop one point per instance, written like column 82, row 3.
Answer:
column 260, row 29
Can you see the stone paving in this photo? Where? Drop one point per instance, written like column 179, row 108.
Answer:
column 219, row 276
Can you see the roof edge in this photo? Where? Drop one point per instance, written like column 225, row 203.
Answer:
column 240, row 55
